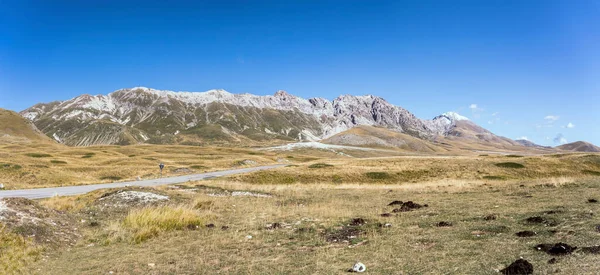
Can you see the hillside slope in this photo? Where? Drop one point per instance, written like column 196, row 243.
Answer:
column 14, row 127
column 579, row 146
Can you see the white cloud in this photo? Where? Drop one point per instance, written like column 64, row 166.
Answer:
column 570, row 125
column 551, row 118
column 490, row 122
column 495, row 114
column 560, row 139
column 473, row 107
column 523, row 138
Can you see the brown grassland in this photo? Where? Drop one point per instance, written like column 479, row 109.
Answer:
column 318, row 215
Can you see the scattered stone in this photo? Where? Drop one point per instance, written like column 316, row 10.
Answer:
column 1, row 186
column 249, row 237
column 443, row 224
column 408, row 206
column 490, row 217
column 273, row 226
column 224, row 227
column 598, row 228
column 556, row 249
column 591, row 249
column 592, row 200
column 357, row 222
column 540, row 220
column 526, row 233
column 358, row 267
column 386, row 215
column 245, row 193
column 395, row 203
column 210, row 225
column 519, row 266
column 151, row 265
column 182, row 170
column 133, row 197
column 552, row 261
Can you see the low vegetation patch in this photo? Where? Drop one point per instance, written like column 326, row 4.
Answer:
column 494, row 177
column 378, row 175
column 514, row 156
column 319, row 165
column 510, row 165
column 88, row 155
column 16, row 252
column 38, row 155
column 198, row 167
column 590, row 172
column 58, row 161
column 148, row 222
column 10, row 166
column 110, row 178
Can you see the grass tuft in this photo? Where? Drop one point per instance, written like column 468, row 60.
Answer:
column 38, row 155
column 378, row 175
column 148, row 222
column 320, row 165
column 510, row 165
column 58, row 161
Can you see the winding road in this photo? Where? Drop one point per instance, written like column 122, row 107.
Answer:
column 40, row 193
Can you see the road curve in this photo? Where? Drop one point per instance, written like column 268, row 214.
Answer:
column 39, row 193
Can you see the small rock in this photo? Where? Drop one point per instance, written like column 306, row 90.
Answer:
column 210, row 225
column 519, row 266
column 359, row 267
column 224, row 227
column 523, row 234
column 151, row 265
column 443, row 224
column 249, row 237
column 552, row 261
column 1, row 186
column 490, row 217
column 395, row 203
column 592, row 200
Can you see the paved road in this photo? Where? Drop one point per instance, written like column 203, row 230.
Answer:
column 39, row 193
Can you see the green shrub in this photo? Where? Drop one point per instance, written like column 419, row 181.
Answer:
column 320, row 165
column 58, row 161
column 514, row 156
column 510, row 165
column 38, row 155
column 378, row 175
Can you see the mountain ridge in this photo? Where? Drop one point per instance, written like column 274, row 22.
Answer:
column 145, row 115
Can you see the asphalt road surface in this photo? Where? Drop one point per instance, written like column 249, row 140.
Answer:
column 40, row 193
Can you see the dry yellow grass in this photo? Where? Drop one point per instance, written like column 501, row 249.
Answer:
column 148, row 222
column 16, row 252
column 44, row 165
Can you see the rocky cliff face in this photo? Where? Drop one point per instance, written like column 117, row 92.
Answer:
column 143, row 115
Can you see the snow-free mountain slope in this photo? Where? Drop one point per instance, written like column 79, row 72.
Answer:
column 579, row 146
column 14, row 127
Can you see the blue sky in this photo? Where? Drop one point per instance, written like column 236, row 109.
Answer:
column 518, row 68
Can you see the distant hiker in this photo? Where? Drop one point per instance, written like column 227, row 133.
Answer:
column 161, row 166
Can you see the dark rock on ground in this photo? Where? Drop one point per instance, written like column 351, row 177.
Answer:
column 395, row 203
column 526, row 234
column 357, row 221
column 557, row 249
column 386, row 215
column 490, row 217
column 592, row 200
column 552, row 261
column 443, row 224
column 520, row 266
